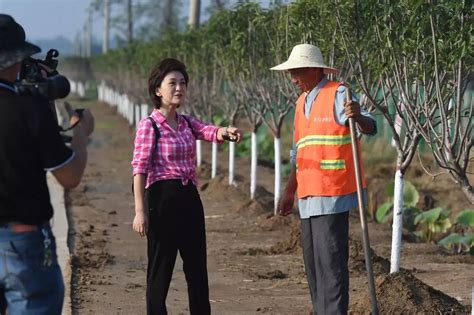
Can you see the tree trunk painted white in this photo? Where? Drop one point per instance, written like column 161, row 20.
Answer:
column 81, row 90
column 144, row 111
column 73, row 85
column 117, row 98
column 277, row 150
column 231, row 162
column 397, row 223
column 198, row 153
column 214, row 160
column 137, row 111
column 131, row 113
column 120, row 105
column 253, row 166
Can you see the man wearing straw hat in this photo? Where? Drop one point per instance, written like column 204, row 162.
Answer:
column 323, row 175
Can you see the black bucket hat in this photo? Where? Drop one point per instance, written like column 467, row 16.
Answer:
column 13, row 47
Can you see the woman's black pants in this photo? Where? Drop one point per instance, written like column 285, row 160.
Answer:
column 176, row 223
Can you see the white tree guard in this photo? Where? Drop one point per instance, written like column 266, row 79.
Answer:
column 253, row 166
column 81, row 90
column 214, row 160
column 124, row 106
column 131, row 113
column 116, row 101
column 73, row 86
column 198, row 153
column 99, row 93
column 144, row 111
column 231, row 162
column 121, row 105
column 277, row 150
column 137, row 115
column 397, row 223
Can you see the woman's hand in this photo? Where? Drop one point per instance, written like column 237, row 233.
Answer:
column 229, row 134
column 140, row 223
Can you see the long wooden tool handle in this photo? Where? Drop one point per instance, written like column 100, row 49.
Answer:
column 365, row 231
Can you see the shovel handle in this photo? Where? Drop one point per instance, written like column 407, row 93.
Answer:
column 363, row 221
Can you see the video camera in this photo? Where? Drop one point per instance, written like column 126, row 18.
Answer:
column 32, row 81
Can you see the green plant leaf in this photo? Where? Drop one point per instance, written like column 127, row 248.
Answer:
column 442, row 226
column 428, row 217
column 453, row 238
column 382, row 213
column 468, row 239
column 410, row 194
column 466, row 218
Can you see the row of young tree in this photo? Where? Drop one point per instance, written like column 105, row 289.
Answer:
column 138, row 20
column 410, row 61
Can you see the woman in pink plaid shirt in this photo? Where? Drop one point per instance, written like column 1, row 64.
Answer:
column 164, row 164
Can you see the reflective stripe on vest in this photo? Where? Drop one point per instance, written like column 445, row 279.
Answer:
column 323, row 140
column 324, row 161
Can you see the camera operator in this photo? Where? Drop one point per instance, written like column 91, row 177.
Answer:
column 31, row 145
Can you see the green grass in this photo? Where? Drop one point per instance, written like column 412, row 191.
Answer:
column 104, row 125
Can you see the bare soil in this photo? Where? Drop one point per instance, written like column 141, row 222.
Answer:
column 254, row 258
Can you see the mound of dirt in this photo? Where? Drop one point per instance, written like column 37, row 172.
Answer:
column 403, row 293
column 271, row 222
column 239, row 195
column 255, row 207
column 380, row 265
column 219, row 188
column 291, row 245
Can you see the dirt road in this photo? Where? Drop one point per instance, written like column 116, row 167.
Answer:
column 254, row 262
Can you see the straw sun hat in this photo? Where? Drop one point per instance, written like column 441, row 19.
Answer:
column 305, row 56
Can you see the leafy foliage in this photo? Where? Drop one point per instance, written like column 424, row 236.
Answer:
column 466, row 218
column 458, row 244
column 431, row 222
column 410, row 199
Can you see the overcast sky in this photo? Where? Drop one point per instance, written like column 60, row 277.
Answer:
column 45, row 19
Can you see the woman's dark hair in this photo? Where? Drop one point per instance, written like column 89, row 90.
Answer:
column 159, row 72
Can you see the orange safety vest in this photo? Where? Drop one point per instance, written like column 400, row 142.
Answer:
column 324, row 161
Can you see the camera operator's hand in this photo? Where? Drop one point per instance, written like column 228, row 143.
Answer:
column 86, row 121
column 45, row 70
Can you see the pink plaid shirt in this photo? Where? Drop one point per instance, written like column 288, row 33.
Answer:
column 175, row 152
